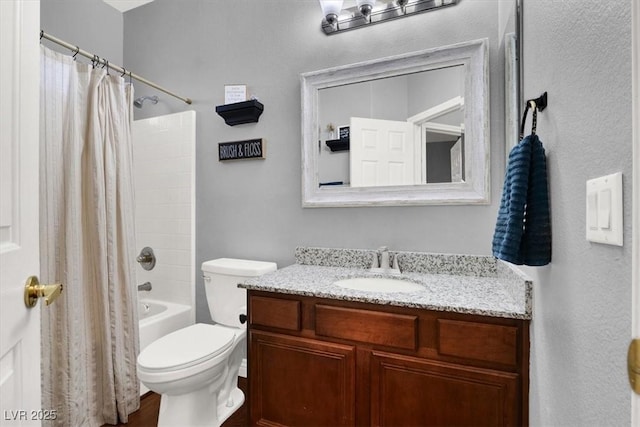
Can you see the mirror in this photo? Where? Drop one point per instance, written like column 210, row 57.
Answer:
column 424, row 142
column 425, row 108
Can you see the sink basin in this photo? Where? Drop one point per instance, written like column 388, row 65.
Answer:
column 379, row 284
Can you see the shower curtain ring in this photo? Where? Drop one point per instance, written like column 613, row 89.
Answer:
column 76, row 52
column 124, row 71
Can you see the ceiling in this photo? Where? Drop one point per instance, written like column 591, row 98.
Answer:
column 124, row 5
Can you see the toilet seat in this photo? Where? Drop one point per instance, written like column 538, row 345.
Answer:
column 186, row 347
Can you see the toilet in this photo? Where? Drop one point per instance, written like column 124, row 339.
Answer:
column 195, row 369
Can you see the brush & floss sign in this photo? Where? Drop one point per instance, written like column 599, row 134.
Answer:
column 237, row 150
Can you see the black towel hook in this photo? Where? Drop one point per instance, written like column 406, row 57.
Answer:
column 537, row 104
column 541, row 101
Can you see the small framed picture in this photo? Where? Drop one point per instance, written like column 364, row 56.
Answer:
column 235, row 93
column 343, row 132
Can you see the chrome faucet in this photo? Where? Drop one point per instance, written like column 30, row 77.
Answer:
column 381, row 262
column 146, row 286
column 383, row 252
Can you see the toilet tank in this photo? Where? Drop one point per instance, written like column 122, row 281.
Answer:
column 225, row 299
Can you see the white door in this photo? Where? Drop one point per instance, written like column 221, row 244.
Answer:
column 19, row 111
column 382, row 152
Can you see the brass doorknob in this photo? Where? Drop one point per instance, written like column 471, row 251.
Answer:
column 34, row 290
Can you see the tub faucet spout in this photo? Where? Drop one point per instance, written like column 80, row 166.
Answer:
column 146, row 286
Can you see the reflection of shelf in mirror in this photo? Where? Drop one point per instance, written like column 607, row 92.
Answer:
column 334, row 184
column 338, row 144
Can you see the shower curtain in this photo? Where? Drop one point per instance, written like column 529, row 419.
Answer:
column 90, row 334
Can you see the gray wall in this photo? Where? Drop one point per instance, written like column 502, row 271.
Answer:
column 252, row 209
column 91, row 24
column 580, row 52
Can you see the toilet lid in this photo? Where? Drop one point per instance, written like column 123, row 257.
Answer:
column 186, row 347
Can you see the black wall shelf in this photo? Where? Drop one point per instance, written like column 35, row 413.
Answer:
column 240, row 112
column 341, row 144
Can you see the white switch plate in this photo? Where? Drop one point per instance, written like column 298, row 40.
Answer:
column 604, row 209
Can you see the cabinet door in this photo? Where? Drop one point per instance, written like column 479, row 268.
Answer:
column 300, row 382
column 406, row 391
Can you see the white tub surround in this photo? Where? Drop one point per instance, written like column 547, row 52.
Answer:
column 455, row 283
column 164, row 158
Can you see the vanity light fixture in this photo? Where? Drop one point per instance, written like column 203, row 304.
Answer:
column 331, row 9
column 366, row 7
column 368, row 12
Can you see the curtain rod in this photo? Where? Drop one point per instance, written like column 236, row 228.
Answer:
column 76, row 50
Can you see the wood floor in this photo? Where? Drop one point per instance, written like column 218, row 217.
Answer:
column 147, row 415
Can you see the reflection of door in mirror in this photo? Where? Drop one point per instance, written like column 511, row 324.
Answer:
column 428, row 100
column 383, row 153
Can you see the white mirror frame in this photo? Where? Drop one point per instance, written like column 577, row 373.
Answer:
column 476, row 188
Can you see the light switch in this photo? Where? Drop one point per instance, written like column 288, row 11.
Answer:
column 592, row 210
column 604, row 209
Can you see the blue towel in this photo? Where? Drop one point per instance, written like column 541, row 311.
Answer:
column 523, row 228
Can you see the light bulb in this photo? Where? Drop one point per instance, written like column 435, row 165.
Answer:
column 365, row 7
column 331, row 9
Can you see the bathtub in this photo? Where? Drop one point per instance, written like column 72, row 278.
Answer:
column 159, row 318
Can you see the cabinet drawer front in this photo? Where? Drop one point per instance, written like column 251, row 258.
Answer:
column 274, row 312
column 374, row 327
column 479, row 341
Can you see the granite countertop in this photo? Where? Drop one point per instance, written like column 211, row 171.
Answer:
column 455, row 283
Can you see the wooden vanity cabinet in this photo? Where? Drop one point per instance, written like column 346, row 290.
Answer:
column 323, row 362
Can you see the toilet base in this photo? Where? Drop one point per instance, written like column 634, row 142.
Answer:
column 195, row 409
column 225, row 411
